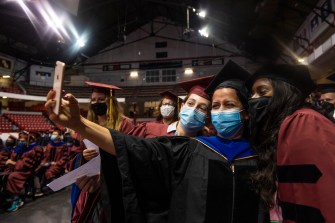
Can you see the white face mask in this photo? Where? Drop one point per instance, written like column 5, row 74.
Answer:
column 167, row 110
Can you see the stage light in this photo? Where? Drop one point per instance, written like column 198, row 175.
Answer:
column 204, row 32
column 188, row 71
column 202, row 13
column 134, row 74
column 80, row 42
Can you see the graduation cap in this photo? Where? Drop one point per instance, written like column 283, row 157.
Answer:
column 296, row 75
column 169, row 95
column 231, row 75
column 106, row 89
column 197, row 86
column 173, row 97
column 326, row 88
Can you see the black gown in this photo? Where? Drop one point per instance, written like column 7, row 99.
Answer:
column 180, row 179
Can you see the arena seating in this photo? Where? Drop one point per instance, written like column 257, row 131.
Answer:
column 13, row 89
column 5, row 124
column 30, row 122
column 127, row 92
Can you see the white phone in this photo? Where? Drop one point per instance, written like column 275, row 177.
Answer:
column 58, row 85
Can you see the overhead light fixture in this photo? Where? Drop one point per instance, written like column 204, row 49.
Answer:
column 4, row 97
column 204, row 32
column 302, row 60
column 202, row 13
column 134, row 74
column 80, row 42
column 5, row 76
column 188, row 71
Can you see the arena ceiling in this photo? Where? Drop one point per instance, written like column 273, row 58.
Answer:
column 258, row 28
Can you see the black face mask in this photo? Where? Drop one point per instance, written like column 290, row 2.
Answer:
column 328, row 108
column 99, row 109
column 258, row 108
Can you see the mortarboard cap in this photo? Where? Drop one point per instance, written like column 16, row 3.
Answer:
column 231, row 75
column 197, row 86
column 296, row 75
column 102, row 88
column 169, row 95
column 106, row 89
column 326, row 88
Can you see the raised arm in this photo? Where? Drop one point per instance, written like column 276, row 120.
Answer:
column 69, row 116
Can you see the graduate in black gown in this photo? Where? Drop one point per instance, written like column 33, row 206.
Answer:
column 182, row 179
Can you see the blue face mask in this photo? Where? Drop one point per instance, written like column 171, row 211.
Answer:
column 54, row 137
column 227, row 123
column 191, row 119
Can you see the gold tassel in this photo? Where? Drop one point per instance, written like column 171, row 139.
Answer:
column 110, row 113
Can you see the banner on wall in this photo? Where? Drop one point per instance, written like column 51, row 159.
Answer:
column 314, row 25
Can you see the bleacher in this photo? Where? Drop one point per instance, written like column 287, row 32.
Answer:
column 14, row 90
column 127, row 92
column 30, row 122
column 77, row 91
column 155, row 90
column 5, row 124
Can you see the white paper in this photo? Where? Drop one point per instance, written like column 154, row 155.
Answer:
column 90, row 168
column 90, row 145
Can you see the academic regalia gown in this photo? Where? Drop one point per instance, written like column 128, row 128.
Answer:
column 151, row 130
column 97, row 206
column 5, row 153
column 27, row 160
column 55, row 152
column 306, row 168
column 180, row 179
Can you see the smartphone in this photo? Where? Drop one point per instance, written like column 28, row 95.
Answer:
column 58, row 85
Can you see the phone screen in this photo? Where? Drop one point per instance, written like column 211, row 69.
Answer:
column 58, row 85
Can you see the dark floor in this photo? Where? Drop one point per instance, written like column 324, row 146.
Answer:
column 53, row 208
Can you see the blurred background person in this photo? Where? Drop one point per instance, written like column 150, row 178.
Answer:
column 24, row 161
column 168, row 108
column 327, row 98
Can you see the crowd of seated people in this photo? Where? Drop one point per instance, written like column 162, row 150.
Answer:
column 29, row 162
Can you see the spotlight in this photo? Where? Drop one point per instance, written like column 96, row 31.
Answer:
column 80, row 42
column 188, row 71
column 134, row 74
column 202, row 13
column 204, row 32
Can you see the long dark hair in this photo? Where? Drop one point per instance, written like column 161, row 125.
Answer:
column 286, row 99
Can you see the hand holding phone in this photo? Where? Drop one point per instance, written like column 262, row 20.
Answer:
column 58, row 85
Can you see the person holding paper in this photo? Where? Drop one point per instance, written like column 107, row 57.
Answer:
column 182, row 179
column 104, row 110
